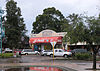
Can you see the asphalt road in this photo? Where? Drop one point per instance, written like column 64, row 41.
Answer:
column 79, row 65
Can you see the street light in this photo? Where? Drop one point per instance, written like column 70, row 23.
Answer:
column 1, row 13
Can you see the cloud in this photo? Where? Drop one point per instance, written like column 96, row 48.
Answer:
column 32, row 8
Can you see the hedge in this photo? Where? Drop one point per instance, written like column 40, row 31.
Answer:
column 6, row 55
column 83, row 56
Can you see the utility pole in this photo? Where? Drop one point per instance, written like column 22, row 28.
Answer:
column 1, row 13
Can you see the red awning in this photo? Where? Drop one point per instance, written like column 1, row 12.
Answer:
column 45, row 40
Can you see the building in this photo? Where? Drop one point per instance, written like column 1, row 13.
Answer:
column 42, row 41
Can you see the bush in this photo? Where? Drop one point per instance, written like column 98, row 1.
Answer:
column 82, row 56
column 4, row 55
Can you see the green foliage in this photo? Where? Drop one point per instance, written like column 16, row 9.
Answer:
column 84, row 29
column 14, row 25
column 50, row 19
column 75, row 29
column 6, row 55
column 93, row 30
column 82, row 56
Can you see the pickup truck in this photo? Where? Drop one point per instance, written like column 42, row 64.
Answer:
column 59, row 52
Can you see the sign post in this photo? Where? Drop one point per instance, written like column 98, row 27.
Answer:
column 53, row 45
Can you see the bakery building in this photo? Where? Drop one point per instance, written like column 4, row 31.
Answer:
column 42, row 40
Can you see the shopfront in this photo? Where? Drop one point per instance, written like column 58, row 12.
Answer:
column 42, row 41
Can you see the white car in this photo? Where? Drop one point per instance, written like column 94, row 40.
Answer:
column 44, row 52
column 60, row 52
column 29, row 51
column 7, row 50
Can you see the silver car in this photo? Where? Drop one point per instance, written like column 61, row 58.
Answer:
column 29, row 51
column 44, row 52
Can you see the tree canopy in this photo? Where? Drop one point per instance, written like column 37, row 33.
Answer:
column 14, row 25
column 75, row 28
column 50, row 19
column 84, row 29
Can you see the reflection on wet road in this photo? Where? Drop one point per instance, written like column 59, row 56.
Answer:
column 33, row 69
column 25, row 60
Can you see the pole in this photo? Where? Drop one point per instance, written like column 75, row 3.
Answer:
column 53, row 51
column 1, row 12
column 1, row 35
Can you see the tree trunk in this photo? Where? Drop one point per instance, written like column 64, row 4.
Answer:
column 94, row 58
column 95, row 51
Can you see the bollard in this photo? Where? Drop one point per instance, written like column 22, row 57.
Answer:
column 14, row 54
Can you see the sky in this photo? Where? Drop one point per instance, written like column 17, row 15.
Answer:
column 32, row 8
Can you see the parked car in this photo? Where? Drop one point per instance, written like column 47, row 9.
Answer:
column 44, row 52
column 7, row 50
column 29, row 51
column 60, row 52
column 79, row 51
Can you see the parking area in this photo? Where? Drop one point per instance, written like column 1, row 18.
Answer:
column 25, row 60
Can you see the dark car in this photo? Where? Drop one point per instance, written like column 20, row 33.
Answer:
column 79, row 51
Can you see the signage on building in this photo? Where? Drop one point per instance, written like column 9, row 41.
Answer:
column 46, row 33
column 46, row 40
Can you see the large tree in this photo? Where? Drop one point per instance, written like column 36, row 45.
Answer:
column 75, row 28
column 92, row 36
column 84, row 29
column 50, row 19
column 14, row 25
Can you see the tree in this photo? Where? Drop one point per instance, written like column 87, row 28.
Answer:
column 75, row 29
column 84, row 29
column 15, row 26
column 50, row 19
column 93, row 36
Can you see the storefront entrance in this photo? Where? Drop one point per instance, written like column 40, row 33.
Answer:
column 42, row 41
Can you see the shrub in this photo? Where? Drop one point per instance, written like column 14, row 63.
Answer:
column 4, row 55
column 82, row 56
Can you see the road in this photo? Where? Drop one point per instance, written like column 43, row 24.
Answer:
column 25, row 60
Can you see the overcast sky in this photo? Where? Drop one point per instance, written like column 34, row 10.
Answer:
column 32, row 8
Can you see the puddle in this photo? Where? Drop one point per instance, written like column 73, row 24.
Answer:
column 81, row 63
column 10, row 60
column 32, row 69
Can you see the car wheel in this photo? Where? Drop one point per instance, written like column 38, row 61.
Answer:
column 26, row 53
column 51, row 55
column 37, row 53
column 65, row 56
column 45, row 55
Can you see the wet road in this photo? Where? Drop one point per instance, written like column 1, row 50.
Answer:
column 25, row 60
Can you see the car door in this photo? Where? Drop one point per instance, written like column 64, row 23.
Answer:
column 32, row 52
column 60, row 52
column 56, row 53
column 28, row 51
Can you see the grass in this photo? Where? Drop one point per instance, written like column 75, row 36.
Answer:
column 6, row 55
